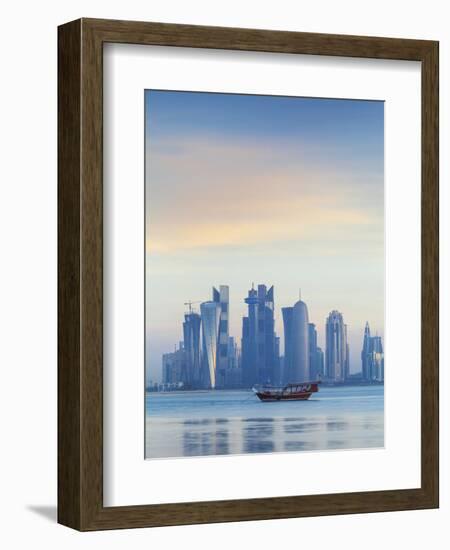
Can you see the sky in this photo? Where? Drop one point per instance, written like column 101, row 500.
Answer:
column 281, row 191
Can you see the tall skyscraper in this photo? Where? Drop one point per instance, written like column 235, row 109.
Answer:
column 210, row 313
column 258, row 338
column 315, row 355
column 287, row 313
column 372, row 357
column 337, row 350
column 221, row 297
column 191, row 336
column 296, row 343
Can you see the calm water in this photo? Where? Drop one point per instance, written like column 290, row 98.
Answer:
column 200, row 423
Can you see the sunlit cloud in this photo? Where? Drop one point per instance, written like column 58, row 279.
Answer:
column 228, row 195
column 295, row 222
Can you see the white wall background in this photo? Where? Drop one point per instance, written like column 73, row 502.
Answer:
column 28, row 272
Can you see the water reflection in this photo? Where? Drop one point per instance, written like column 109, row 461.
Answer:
column 259, row 420
column 336, row 425
column 301, row 427
column 201, row 443
column 259, row 446
column 297, row 446
column 258, row 435
column 183, row 425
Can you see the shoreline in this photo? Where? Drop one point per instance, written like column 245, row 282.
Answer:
column 322, row 384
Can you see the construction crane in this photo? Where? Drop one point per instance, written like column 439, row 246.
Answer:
column 190, row 305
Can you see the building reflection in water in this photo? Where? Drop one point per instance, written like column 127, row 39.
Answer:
column 333, row 425
column 258, row 435
column 205, row 437
column 297, row 446
column 300, row 427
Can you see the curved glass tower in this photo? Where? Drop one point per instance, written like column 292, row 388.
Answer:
column 296, row 343
column 210, row 312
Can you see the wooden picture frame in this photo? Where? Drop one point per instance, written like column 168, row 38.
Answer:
column 80, row 272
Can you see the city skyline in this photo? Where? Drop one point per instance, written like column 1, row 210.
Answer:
column 209, row 358
column 246, row 188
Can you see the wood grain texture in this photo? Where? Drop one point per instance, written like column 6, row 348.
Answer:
column 80, row 265
column 69, row 248
column 430, row 273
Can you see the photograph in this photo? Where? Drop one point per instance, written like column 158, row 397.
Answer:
column 264, row 274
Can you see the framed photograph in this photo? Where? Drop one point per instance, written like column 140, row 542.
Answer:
column 248, row 274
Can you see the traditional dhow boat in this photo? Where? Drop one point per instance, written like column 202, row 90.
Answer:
column 290, row 392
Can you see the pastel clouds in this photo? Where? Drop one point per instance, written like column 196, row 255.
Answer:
column 225, row 194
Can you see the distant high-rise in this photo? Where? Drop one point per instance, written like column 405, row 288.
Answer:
column 316, row 367
column 221, row 297
column 296, row 343
column 372, row 357
column 337, row 350
column 232, row 353
column 174, row 367
column 210, row 314
column 191, row 335
column 259, row 350
column 233, row 372
column 320, row 363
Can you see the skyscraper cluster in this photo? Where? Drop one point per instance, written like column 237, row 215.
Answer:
column 208, row 357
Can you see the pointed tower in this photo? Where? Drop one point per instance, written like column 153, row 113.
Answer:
column 365, row 354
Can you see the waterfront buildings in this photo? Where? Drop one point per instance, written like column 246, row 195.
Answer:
column 372, row 357
column 209, row 358
column 337, row 350
column 259, row 341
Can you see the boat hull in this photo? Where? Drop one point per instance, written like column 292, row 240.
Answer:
column 291, row 392
column 299, row 397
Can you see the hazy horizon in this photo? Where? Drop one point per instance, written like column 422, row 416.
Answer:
column 272, row 190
